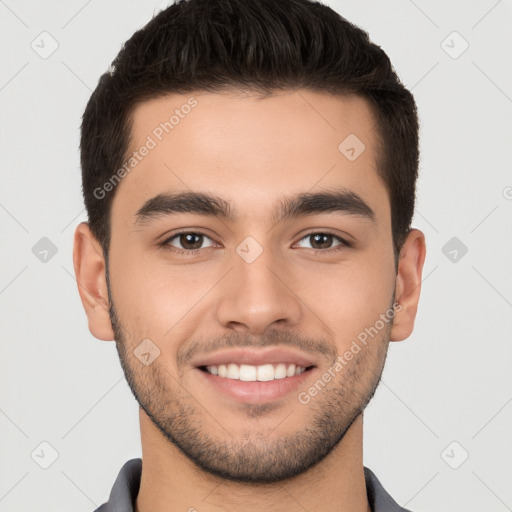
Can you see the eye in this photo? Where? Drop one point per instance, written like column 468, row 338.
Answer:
column 187, row 241
column 324, row 241
column 191, row 242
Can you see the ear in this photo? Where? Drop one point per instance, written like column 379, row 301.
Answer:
column 89, row 266
column 408, row 284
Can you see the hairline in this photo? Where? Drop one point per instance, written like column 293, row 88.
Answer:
column 378, row 136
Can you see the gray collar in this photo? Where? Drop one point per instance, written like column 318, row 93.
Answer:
column 126, row 487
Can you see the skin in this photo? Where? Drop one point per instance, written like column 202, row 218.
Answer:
column 200, row 448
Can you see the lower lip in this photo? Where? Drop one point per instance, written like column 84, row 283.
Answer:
column 256, row 392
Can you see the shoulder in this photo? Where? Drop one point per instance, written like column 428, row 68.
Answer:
column 125, row 489
column 380, row 500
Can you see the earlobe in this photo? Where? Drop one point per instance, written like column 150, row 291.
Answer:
column 89, row 265
column 408, row 284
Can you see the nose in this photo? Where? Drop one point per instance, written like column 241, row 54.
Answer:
column 258, row 296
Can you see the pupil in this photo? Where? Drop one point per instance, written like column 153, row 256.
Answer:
column 321, row 239
column 187, row 241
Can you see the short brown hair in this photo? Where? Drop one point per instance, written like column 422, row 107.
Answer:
column 258, row 45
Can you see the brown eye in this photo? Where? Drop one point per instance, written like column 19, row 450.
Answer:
column 191, row 241
column 188, row 241
column 324, row 241
column 321, row 241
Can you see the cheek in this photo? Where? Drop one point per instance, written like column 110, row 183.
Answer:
column 137, row 291
column 154, row 299
column 351, row 296
column 151, row 297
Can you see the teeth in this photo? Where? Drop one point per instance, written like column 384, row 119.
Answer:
column 280, row 371
column 233, row 371
column 266, row 372
column 249, row 373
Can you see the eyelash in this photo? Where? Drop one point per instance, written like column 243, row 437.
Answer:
column 165, row 244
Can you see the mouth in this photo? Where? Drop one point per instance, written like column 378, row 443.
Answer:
column 274, row 386
column 252, row 373
column 255, row 376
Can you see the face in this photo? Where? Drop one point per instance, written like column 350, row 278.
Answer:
column 273, row 260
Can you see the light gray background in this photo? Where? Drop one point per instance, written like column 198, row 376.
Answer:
column 451, row 381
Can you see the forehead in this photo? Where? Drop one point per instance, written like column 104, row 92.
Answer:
column 251, row 150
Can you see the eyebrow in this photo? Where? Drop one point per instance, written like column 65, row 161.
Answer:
column 303, row 204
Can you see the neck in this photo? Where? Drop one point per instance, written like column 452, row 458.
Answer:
column 170, row 482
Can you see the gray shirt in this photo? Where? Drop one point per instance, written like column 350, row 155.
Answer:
column 126, row 487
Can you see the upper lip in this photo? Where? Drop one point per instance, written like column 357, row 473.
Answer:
column 255, row 357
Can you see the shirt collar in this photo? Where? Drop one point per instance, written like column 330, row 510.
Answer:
column 126, row 487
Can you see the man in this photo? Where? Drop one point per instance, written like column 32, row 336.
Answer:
column 249, row 173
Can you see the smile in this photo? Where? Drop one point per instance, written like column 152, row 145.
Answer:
column 250, row 373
